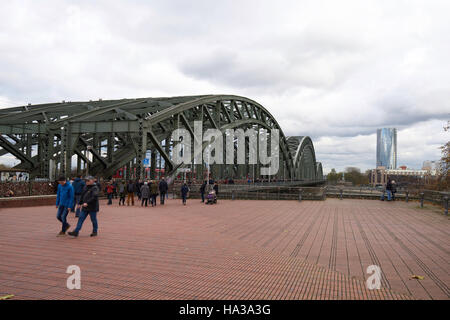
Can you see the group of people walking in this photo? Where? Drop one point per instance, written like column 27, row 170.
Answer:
column 146, row 191
column 80, row 194
column 391, row 190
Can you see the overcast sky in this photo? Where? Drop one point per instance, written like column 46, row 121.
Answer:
column 333, row 70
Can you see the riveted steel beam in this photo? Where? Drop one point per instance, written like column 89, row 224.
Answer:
column 122, row 124
column 8, row 146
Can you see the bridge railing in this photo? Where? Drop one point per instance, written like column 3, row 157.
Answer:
column 259, row 192
column 432, row 196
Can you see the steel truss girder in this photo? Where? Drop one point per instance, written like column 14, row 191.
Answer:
column 8, row 146
column 128, row 119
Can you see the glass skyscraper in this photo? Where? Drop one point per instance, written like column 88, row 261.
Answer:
column 387, row 148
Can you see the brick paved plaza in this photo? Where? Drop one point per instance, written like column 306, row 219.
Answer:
column 232, row 250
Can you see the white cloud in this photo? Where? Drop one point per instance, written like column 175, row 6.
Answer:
column 334, row 70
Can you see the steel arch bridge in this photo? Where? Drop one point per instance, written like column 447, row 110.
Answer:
column 100, row 137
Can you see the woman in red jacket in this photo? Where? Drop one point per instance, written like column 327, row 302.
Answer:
column 110, row 192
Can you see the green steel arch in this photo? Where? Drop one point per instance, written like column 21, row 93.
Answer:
column 304, row 157
column 105, row 135
column 319, row 171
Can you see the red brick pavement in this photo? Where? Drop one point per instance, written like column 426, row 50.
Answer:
column 232, row 250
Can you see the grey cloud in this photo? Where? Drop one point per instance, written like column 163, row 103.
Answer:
column 335, row 70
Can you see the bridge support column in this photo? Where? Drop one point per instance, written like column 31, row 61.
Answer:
column 153, row 164
column 78, row 165
column 65, row 153
column 167, row 150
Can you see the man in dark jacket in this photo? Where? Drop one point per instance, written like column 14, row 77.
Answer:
column 114, row 188
column 393, row 189
column 163, row 187
column 216, row 188
column 130, row 191
column 64, row 202
column 90, row 206
column 78, row 186
column 121, row 186
column 389, row 189
column 137, row 188
column 184, row 192
column 202, row 190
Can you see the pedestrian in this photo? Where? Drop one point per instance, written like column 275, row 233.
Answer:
column 130, row 191
column 145, row 193
column 121, row 188
column 216, row 188
column 163, row 187
column 137, row 188
column 78, row 185
column 64, row 202
column 202, row 190
column 110, row 192
column 55, row 185
column 114, row 188
column 154, row 191
column 184, row 192
column 393, row 189
column 389, row 189
column 90, row 206
column 98, row 183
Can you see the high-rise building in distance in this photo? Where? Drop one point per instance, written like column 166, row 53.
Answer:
column 387, row 148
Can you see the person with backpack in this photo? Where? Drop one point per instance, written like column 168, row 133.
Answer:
column 163, row 188
column 130, row 191
column 78, row 186
column 90, row 206
column 64, row 202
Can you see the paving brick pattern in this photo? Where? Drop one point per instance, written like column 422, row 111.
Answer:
column 233, row 250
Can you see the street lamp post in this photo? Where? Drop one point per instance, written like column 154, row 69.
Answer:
column 207, row 169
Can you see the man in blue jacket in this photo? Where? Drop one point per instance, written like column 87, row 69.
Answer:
column 64, row 202
column 78, row 186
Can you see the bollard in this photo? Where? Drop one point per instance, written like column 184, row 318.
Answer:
column 446, row 205
column 341, row 194
column 232, row 195
column 407, row 199
column 300, row 196
column 421, row 199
